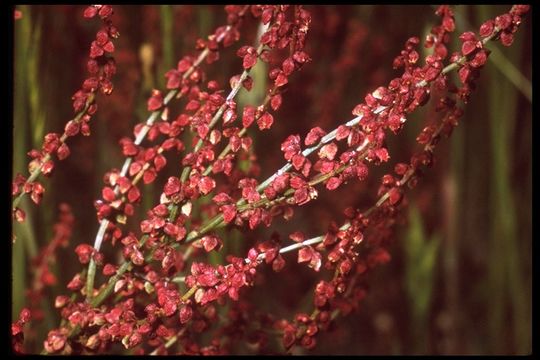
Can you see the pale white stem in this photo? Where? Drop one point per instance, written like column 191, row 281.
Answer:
column 324, row 140
column 144, row 131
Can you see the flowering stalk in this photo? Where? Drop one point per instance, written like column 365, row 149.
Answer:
column 101, row 69
column 380, row 201
column 319, row 317
column 43, row 167
column 140, row 137
column 218, row 220
column 173, row 208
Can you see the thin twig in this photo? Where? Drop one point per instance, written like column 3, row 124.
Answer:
column 37, row 171
column 217, row 220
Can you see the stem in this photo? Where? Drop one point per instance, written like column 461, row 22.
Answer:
column 110, row 285
column 382, row 199
column 331, row 136
column 169, row 342
column 166, row 16
column 219, row 113
column 179, row 279
column 190, row 292
column 193, row 235
column 324, row 140
column 186, row 171
column 105, row 223
column 217, row 220
column 37, row 171
column 99, row 238
column 241, row 133
column 138, row 140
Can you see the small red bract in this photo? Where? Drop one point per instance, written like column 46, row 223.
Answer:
column 265, row 121
column 172, row 186
column 155, row 101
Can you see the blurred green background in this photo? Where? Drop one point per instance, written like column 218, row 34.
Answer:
column 460, row 277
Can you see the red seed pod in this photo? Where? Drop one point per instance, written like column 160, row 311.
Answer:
column 19, row 215
column 90, row 12
column 281, row 79
column 314, row 135
column 72, row 128
column 229, row 213
column 333, row 183
column 395, row 196
column 206, row 184
column 275, row 102
column 84, row 252
column 468, row 47
column 209, row 243
column 288, row 66
column 185, row 314
column 172, row 186
column 487, row 28
column 305, row 254
column 155, row 101
column 328, row 151
column 63, row 151
column 95, row 50
column 248, row 116
column 250, row 59
column 133, row 194
column 265, row 121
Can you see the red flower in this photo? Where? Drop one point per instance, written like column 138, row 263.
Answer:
column 84, row 252
column 265, row 121
column 172, row 186
column 155, row 101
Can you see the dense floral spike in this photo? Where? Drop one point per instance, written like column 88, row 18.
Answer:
column 145, row 164
column 100, row 67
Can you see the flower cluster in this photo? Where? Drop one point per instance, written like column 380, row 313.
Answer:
column 165, row 291
column 17, row 330
column 101, row 67
column 371, row 229
column 43, row 276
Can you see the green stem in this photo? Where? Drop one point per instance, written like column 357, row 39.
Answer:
column 217, row 221
column 189, row 293
column 110, row 285
column 37, row 171
column 125, row 167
